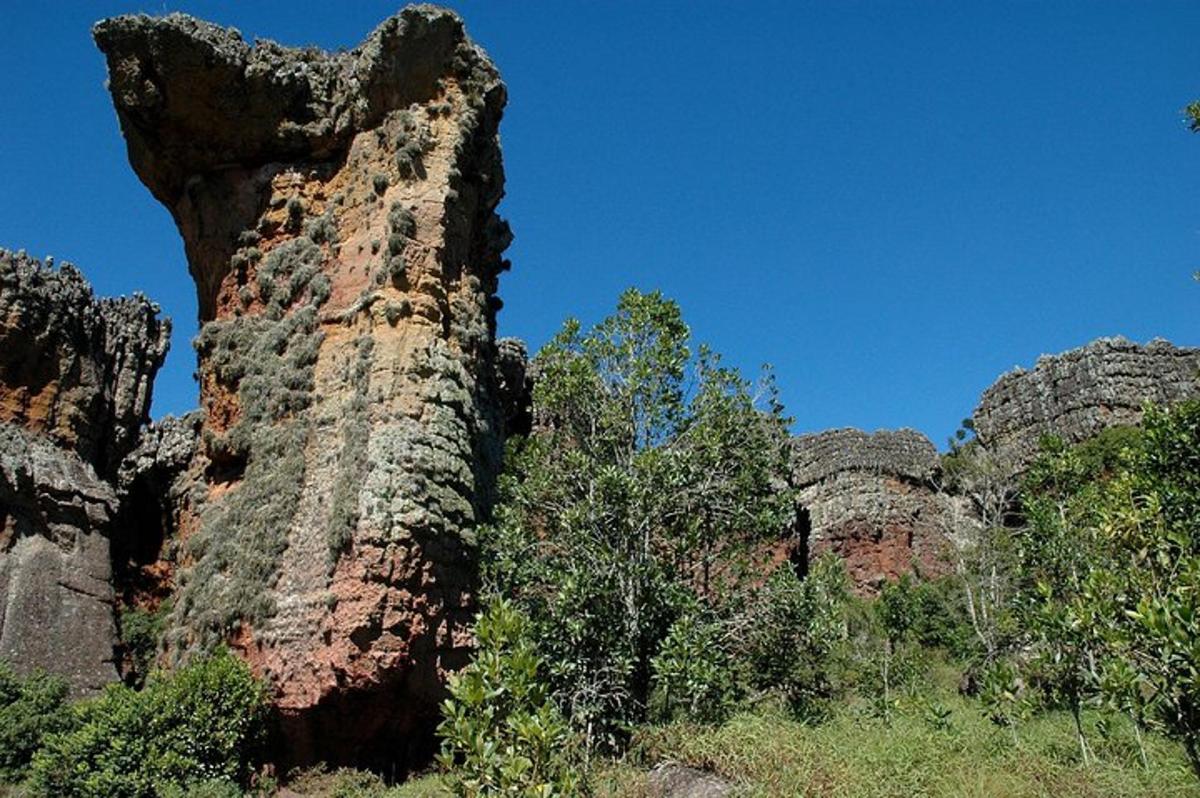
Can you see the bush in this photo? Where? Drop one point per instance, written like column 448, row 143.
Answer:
column 797, row 628
column 30, row 709
column 199, row 725
column 502, row 735
column 141, row 634
column 694, row 674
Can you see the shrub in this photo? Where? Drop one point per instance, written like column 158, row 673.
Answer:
column 502, row 735
column 141, row 632
column 797, row 628
column 30, row 709
column 203, row 723
column 694, row 674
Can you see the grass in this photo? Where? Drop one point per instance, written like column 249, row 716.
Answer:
column 938, row 745
column 921, row 752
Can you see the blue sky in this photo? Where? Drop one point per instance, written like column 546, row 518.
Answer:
column 892, row 203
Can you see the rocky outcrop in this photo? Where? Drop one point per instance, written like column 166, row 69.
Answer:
column 75, row 380
column 75, row 369
column 514, row 380
column 1076, row 394
column 869, row 498
column 160, row 485
column 338, row 214
column 672, row 780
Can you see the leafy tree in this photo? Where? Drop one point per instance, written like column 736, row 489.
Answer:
column 501, row 733
column 650, row 482
column 1148, row 591
column 31, row 709
column 695, row 674
column 979, row 496
column 1058, row 550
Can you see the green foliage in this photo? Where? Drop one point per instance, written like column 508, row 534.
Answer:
column 1143, row 601
column 694, row 673
column 352, row 459
column 31, row 709
column 209, row 788
column 141, row 632
column 203, row 723
column 402, row 226
column 1192, row 114
column 796, row 628
column 1112, row 555
column 502, row 734
column 412, row 141
column 1058, row 550
column 648, row 488
column 1002, row 695
column 939, row 748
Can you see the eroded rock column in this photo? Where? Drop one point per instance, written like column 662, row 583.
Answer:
column 338, row 214
column 75, row 380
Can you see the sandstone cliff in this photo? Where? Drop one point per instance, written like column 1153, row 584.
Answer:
column 872, row 498
column 75, row 381
column 338, row 215
column 869, row 498
column 1078, row 393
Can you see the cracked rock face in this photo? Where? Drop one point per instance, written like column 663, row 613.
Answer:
column 868, row 498
column 76, row 369
column 1079, row 393
column 75, row 380
column 338, row 214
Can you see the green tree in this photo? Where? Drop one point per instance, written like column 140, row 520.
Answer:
column 1148, row 592
column 695, row 674
column 31, row 709
column 651, row 480
column 795, row 629
column 1058, row 550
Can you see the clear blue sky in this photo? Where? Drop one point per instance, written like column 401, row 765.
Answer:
column 891, row 202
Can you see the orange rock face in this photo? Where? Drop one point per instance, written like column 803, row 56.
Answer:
column 338, row 213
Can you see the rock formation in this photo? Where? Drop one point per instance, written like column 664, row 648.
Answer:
column 75, row 381
column 338, row 215
column 869, row 498
column 1078, row 393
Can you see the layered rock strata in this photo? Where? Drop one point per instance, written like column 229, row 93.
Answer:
column 75, row 380
column 869, row 498
column 1076, row 394
column 338, row 215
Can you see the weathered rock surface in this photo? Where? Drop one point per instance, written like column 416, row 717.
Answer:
column 671, row 780
column 75, row 381
column 868, row 497
column 158, row 485
column 514, row 382
column 1076, row 394
column 338, row 214
column 74, row 368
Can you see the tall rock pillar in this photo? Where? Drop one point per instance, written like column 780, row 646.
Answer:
column 338, row 215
